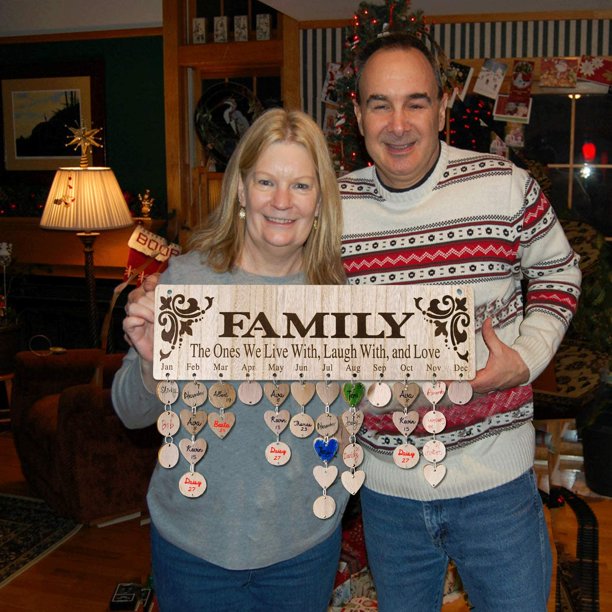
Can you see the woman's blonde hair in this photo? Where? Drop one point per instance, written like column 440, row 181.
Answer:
column 222, row 239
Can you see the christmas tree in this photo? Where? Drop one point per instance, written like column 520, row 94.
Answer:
column 370, row 21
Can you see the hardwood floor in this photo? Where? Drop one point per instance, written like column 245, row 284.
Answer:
column 82, row 573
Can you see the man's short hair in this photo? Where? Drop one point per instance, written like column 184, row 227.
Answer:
column 401, row 41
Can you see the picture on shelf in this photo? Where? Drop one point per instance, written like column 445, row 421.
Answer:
column 263, row 26
column 241, row 28
column 220, row 29
column 199, row 30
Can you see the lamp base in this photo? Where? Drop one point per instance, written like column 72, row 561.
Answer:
column 88, row 239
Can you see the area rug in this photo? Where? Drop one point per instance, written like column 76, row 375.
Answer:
column 29, row 530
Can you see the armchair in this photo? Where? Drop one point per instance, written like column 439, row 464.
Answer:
column 74, row 451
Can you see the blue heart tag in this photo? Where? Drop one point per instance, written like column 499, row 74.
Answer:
column 326, row 450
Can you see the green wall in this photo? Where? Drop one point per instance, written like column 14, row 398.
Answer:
column 133, row 103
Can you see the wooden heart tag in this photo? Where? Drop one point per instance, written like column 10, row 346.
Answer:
column 193, row 423
column 193, row 451
column 277, row 421
column 276, row 394
column 221, row 424
column 326, row 450
column 352, row 421
column 328, row 392
column 302, row 392
column 434, row 392
column 405, row 394
column 222, row 395
column 352, row 481
column 434, row 474
column 405, row 422
column 325, row 476
column 353, row 393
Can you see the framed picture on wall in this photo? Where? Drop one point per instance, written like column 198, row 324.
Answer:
column 38, row 112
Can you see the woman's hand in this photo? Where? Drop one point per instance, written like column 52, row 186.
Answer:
column 138, row 325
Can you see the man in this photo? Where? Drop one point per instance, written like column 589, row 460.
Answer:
column 430, row 213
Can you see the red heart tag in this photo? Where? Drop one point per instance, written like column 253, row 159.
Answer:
column 221, row 424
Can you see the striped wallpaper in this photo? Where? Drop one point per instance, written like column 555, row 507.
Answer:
column 499, row 39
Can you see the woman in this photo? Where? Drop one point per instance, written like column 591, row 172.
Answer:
column 251, row 540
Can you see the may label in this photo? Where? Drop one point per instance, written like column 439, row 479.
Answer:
column 314, row 332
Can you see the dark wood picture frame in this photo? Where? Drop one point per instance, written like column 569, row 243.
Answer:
column 87, row 77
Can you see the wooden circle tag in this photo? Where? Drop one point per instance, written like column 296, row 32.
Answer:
column 222, row 395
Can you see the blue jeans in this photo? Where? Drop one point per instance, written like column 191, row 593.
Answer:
column 498, row 540
column 183, row 582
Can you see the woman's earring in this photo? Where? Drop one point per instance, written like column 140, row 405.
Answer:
column 242, row 213
column 315, row 224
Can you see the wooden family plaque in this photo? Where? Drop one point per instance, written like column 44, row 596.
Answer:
column 314, row 332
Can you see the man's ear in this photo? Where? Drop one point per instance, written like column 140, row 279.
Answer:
column 442, row 112
column 357, row 111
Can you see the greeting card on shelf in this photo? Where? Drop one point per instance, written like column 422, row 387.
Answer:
column 490, row 78
column 558, row 72
column 595, row 69
column 520, row 86
column 507, row 110
column 462, row 75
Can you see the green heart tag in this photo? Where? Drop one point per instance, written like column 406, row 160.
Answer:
column 353, row 393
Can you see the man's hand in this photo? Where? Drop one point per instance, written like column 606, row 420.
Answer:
column 505, row 367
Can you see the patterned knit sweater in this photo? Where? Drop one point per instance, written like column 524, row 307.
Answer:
column 476, row 219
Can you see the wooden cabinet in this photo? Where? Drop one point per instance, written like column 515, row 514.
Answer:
column 192, row 188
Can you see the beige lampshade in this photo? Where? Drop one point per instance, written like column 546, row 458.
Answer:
column 85, row 200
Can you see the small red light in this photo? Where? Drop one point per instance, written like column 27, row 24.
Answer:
column 589, row 151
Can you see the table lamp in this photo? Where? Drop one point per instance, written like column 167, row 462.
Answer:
column 86, row 200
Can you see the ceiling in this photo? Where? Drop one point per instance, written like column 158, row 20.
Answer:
column 317, row 10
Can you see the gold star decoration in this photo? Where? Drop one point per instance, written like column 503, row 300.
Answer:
column 85, row 139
